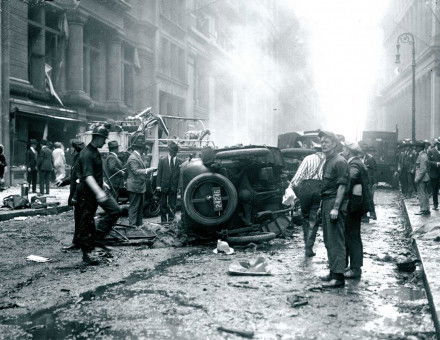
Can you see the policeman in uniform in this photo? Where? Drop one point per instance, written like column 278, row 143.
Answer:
column 90, row 193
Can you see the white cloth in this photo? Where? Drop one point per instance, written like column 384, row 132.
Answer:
column 59, row 163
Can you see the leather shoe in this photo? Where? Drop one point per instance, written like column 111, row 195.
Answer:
column 435, row 207
column 71, row 247
column 423, row 213
column 91, row 261
column 327, row 278
column 353, row 274
column 310, row 253
column 334, row 283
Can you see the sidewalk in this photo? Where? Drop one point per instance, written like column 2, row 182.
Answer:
column 428, row 246
column 56, row 195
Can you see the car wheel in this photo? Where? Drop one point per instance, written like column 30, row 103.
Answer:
column 200, row 202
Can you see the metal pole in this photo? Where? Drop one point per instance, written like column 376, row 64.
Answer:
column 5, row 124
column 413, row 108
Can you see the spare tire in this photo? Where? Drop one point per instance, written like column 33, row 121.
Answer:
column 198, row 199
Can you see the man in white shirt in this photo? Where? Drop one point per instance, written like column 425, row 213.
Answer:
column 309, row 169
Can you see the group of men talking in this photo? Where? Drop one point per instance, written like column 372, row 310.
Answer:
column 344, row 195
column 94, row 182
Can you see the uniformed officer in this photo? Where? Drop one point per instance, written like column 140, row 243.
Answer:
column 90, row 192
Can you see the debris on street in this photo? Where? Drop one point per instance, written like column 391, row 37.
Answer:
column 296, row 301
column 36, row 258
column 223, row 247
column 255, row 267
column 244, row 334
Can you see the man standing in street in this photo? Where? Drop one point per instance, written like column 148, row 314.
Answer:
column 310, row 170
column 360, row 201
column 434, row 171
column 31, row 165
column 114, row 173
column 422, row 178
column 136, row 181
column 167, row 181
column 334, row 206
column 45, row 167
column 90, row 192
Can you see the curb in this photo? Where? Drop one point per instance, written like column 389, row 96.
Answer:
column 34, row 212
column 426, row 278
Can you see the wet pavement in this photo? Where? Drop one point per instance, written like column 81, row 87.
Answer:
column 186, row 293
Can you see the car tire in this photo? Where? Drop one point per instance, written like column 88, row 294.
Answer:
column 251, row 238
column 215, row 179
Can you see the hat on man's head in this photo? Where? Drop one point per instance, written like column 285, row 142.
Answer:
column 353, row 146
column 173, row 146
column 330, row 135
column 113, row 144
column 100, row 130
column 139, row 142
column 419, row 143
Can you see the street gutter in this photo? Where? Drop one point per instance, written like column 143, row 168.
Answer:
column 429, row 267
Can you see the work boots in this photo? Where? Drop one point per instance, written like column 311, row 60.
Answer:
column 90, row 259
column 333, row 280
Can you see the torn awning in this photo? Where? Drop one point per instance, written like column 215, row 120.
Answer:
column 43, row 111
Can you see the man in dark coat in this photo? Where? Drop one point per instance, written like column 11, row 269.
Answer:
column 168, row 173
column 434, row 171
column 31, row 164
column 45, row 167
column 114, row 169
column 360, row 201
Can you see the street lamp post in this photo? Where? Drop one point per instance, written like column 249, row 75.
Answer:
column 408, row 38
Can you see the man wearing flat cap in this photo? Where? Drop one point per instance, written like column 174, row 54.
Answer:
column 421, row 179
column 167, row 181
column 137, row 181
column 113, row 169
column 335, row 178
column 31, row 164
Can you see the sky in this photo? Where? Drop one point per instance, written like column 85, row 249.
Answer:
column 346, row 47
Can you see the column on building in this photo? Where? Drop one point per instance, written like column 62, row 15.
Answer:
column 114, row 70
column 435, row 104
column 75, row 94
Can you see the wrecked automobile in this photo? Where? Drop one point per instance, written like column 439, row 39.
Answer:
column 235, row 193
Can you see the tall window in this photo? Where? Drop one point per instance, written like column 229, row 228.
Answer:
column 172, row 60
column 173, row 10
column 44, row 40
column 91, row 65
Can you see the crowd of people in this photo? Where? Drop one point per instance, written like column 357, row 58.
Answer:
column 45, row 164
column 418, row 171
column 335, row 188
column 96, row 182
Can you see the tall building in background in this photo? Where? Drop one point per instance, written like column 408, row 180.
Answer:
column 236, row 67
column 393, row 105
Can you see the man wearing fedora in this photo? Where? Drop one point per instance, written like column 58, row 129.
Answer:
column 137, row 181
column 31, row 164
column 114, row 169
column 167, row 181
column 335, row 179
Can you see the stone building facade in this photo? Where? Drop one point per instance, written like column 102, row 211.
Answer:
column 393, row 107
column 72, row 62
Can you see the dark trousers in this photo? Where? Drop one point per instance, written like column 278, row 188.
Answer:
column 77, row 218
column 32, row 179
column 168, row 200
column 87, row 205
column 403, row 179
column 309, row 210
column 136, row 208
column 353, row 241
column 435, row 182
column 334, row 236
column 44, row 181
column 411, row 185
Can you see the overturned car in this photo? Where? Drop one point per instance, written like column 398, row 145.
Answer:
column 235, row 191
